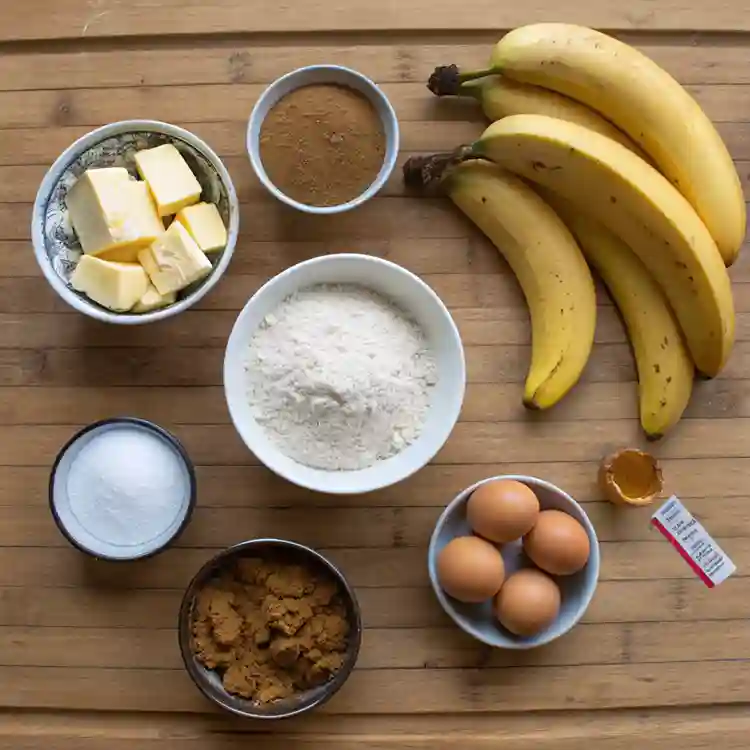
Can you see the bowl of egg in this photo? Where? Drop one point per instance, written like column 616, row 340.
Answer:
column 514, row 561
column 135, row 222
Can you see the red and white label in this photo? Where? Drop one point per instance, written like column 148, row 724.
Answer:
column 677, row 524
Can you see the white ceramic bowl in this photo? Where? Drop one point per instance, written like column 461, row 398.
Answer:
column 57, row 248
column 478, row 620
column 418, row 301
column 314, row 74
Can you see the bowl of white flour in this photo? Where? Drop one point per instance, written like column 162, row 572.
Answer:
column 344, row 374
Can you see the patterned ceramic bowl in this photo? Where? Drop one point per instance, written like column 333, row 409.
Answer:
column 56, row 246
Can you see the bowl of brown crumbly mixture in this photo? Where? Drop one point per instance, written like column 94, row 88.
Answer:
column 323, row 139
column 269, row 629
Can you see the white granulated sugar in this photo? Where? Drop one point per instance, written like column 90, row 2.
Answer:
column 126, row 486
column 339, row 377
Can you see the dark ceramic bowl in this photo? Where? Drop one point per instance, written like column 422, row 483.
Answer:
column 77, row 534
column 208, row 681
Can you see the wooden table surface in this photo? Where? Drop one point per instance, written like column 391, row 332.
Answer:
column 88, row 653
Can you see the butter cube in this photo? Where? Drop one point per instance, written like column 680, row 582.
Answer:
column 112, row 215
column 169, row 178
column 152, row 300
column 116, row 286
column 204, row 223
column 174, row 261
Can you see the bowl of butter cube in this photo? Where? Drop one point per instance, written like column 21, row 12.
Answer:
column 135, row 222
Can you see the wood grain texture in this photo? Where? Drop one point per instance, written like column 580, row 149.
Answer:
column 663, row 728
column 88, row 653
column 697, row 61
column 76, row 19
column 402, row 691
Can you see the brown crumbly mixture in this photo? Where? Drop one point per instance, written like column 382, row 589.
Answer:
column 271, row 629
column 323, row 144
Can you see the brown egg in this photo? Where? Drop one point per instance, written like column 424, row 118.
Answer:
column 503, row 510
column 528, row 602
column 470, row 569
column 557, row 543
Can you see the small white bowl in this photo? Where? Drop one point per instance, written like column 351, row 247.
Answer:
column 56, row 246
column 315, row 74
column 418, row 301
column 478, row 620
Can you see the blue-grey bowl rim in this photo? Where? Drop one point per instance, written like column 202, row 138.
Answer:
column 511, row 644
column 389, row 162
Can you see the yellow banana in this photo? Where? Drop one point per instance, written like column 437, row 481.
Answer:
column 549, row 266
column 665, row 370
column 644, row 101
column 501, row 97
column 633, row 200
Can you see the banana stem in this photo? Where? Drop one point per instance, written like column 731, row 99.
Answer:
column 428, row 171
column 471, row 90
column 446, row 80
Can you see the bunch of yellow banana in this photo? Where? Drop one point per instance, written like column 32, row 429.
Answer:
column 631, row 92
column 665, row 370
column 549, row 267
column 501, row 96
column 638, row 174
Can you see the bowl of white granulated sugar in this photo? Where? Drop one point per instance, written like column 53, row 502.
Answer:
column 122, row 489
column 344, row 374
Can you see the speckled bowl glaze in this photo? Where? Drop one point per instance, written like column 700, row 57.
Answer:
column 56, row 246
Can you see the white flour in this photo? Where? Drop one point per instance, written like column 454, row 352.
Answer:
column 126, row 486
column 339, row 377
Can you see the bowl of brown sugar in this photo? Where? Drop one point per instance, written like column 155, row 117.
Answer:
column 323, row 139
column 269, row 629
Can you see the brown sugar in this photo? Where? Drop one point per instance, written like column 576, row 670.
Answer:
column 323, row 144
column 272, row 629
